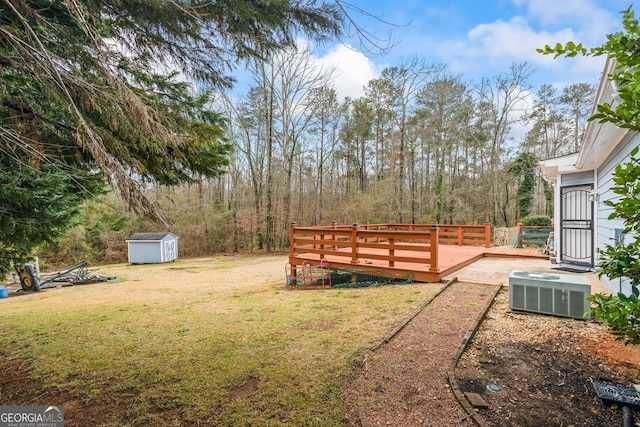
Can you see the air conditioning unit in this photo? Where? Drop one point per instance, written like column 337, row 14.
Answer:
column 549, row 293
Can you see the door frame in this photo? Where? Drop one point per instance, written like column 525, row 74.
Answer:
column 586, row 240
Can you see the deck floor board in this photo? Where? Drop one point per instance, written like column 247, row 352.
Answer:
column 450, row 259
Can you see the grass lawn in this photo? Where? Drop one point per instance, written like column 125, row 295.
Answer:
column 214, row 341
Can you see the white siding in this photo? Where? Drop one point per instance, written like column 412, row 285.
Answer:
column 145, row 252
column 606, row 227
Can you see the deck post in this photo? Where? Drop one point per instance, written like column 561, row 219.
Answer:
column 433, row 265
column 292, row 238
column 392, row 252
column 292, row 249
column 519, row 244
column 435, row 225
column 487, row 234
column 334, row 225
column 366, row 227
column 460, row 235
column 354, row 243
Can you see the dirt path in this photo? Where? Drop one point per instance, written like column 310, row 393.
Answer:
column 404, row 382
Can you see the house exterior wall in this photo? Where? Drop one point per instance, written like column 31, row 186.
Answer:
column 604, row 146
column 606, row 230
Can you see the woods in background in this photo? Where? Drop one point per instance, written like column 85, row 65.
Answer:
column 133, row 98
column 422, row 145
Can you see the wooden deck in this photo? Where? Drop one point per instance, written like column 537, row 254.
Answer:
column 399, row 249
column 451, row 258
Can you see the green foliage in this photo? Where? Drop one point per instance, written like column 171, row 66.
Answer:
column 620, row 261
column 94, row 91
column 38, row 205
column 620, row 312
column 548, row 196
column 89, row 239
column 525, row 166
column 626, row 179
column 536, row 220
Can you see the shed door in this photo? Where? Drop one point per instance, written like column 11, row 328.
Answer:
column 576, row 224
column 169, row 250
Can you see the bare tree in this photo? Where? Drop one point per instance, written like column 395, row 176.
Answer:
column 325, row 130
column 404, row 83
column 444, row 105
column 578, row 101
column 379, row 96
column 550, row 133
column 297, row 78
column 503, row 96
column 247, row 132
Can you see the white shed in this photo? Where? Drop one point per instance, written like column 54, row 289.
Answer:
column 151, row 248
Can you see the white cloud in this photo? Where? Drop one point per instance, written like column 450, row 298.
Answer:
column 514, row 40
column 490, row 48
column 591, row 21
column 352, row 70
column 496, row 45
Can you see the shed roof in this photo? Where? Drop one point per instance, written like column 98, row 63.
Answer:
column 149, row 236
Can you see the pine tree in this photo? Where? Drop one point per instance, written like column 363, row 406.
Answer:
column 89, row 87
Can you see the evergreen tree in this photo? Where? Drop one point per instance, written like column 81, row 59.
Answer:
column 38, row 202
column 525, row 167
column 90, row 88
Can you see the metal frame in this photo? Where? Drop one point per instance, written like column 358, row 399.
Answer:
column 577, row 231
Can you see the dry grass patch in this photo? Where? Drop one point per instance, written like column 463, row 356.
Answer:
column 197, row 342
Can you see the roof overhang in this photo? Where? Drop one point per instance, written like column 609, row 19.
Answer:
column 600, row 139
column 551, row 168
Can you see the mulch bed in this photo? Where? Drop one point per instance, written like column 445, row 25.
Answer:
column 542, row 366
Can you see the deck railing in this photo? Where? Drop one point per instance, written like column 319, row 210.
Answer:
column 533, row 235
column 393, row 243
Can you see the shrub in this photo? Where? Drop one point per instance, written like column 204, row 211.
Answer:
column 536, row 220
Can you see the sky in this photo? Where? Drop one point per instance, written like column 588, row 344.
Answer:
column 476, row 38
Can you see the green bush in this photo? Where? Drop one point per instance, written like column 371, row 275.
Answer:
column 620, row 312
column 620, row 261
column 536, row 220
